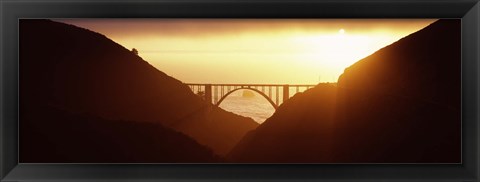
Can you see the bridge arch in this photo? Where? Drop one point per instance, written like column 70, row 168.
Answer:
column 247, row 88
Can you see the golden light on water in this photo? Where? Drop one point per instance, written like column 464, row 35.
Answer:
column 253, row 50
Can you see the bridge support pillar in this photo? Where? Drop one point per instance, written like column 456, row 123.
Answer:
column 286, row 92
column 208, row 93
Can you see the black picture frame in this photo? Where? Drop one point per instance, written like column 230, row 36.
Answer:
column 467, row 10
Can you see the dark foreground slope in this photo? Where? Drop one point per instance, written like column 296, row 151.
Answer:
column 400, row 104
column 80, row 71
column 64, row 137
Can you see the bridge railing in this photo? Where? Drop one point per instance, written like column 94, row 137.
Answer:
column 252, row 85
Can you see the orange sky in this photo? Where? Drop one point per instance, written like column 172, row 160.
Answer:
column 275, row 51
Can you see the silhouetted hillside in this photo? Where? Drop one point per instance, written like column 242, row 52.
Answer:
column 404, row 101
column 52, row 135
column 400, row 104
column 304, row 120
column 80, row 71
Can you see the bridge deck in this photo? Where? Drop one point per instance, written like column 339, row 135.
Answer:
column 258, row 85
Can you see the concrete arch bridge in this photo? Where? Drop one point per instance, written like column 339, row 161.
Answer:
column 216, row 93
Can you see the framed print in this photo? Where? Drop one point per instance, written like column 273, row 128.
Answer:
column 252, row 90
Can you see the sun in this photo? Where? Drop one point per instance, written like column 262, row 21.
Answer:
column 341, row 31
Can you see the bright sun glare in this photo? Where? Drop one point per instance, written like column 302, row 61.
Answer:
column 332, row 53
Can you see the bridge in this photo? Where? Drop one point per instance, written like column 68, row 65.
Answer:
column 216, row 93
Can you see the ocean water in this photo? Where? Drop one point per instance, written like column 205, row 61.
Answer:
column 256, row 107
